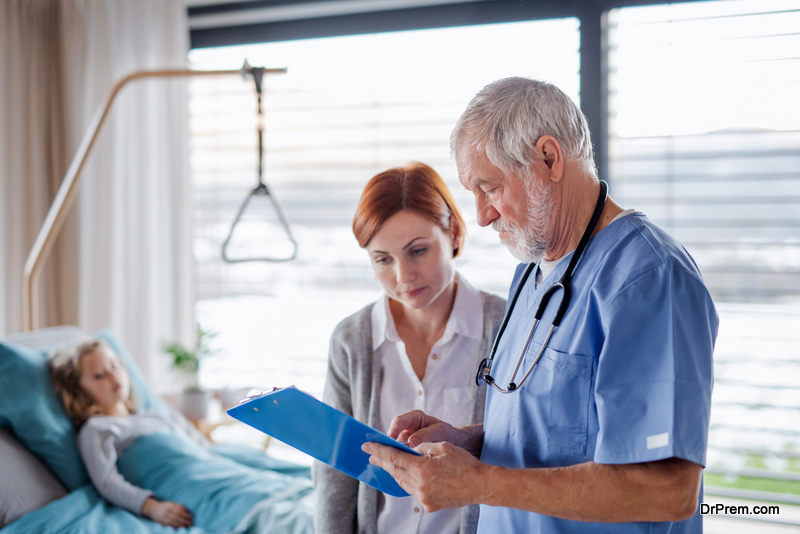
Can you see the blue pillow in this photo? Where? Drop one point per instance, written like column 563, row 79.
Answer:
column 28, row 405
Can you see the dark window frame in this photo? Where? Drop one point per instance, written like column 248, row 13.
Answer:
column 591, row 13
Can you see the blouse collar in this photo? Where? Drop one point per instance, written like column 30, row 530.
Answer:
column 466, row 319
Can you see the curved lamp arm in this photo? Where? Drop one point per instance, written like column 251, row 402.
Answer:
column 69, row 186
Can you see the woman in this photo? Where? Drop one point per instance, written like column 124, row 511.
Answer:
column 417, row 347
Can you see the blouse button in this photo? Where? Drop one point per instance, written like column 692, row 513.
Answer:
column 419, row 392
column 416, row 510
column 435, row 356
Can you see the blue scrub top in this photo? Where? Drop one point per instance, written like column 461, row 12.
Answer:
column 626, row 377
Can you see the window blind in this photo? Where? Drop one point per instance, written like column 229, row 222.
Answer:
column 704, row 135
column 348, row 108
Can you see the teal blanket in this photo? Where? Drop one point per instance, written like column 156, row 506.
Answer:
column 228, row 490
column 84, row 511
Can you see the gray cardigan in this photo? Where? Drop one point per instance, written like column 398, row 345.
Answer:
column 345, row 505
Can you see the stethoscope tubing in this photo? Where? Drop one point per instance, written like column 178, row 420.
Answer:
column 564, row 283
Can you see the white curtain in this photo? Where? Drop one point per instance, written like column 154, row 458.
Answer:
column 32, row 149
column 123, row 260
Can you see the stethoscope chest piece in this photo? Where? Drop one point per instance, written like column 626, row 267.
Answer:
column 483, row 376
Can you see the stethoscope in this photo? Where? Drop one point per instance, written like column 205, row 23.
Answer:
column 485, row 367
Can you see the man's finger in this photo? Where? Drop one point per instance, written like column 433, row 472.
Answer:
column 406, row 424
column 386, row 465
column 429, row 449
column 433, row 434
column 387, row 455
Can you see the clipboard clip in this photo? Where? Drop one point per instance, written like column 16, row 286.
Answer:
column 256, row 393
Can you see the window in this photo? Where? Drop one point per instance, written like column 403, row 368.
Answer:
column 348, row 108
column 704, row 137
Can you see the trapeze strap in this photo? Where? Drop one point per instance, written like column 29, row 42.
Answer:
column 261, row 190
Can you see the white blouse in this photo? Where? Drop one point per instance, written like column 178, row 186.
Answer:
column 444, row 392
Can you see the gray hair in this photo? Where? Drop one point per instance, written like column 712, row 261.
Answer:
column 507, row 117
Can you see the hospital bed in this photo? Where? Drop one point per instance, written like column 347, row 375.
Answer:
column 44, row 487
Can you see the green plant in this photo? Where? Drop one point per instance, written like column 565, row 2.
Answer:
column 187, row 361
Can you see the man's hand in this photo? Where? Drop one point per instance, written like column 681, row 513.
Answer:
column 445, row 476
column 168, row 514
column 420, row 426
column 416, row 427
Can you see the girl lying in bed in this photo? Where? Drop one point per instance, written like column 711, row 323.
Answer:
column 160, row 467
column 97, row 395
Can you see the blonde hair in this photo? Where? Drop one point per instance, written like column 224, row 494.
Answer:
column 65, row 371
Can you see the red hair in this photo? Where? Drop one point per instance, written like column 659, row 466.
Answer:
column 414, row 187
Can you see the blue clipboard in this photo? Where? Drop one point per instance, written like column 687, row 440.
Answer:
column 330, row 436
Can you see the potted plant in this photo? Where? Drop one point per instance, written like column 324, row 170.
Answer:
column 194, row 401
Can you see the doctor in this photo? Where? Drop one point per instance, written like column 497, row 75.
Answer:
column 607, row 420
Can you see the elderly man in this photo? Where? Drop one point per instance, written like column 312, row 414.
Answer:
column 604, row 417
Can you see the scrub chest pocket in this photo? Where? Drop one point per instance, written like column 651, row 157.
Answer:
column 552, row 408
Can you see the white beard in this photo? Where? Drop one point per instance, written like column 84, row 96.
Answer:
column 530, row 243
